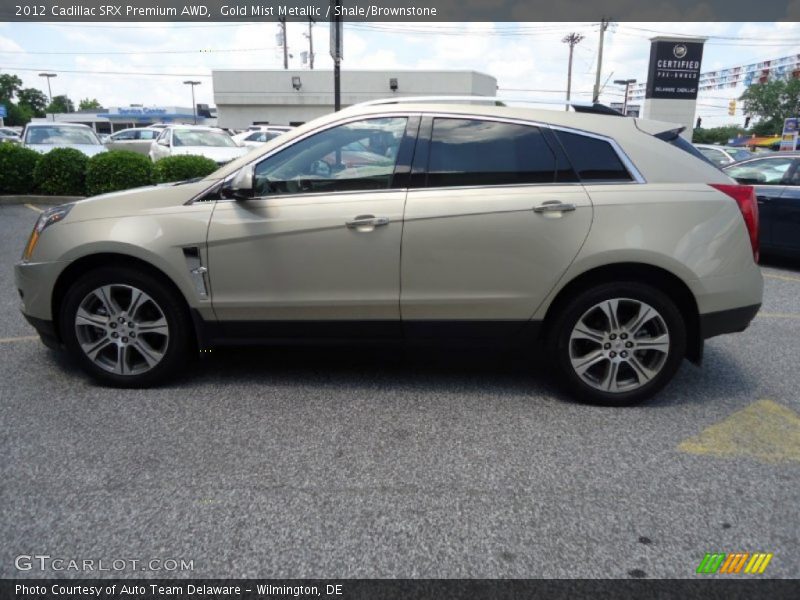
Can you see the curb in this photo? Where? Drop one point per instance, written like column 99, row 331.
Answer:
column 54, row 200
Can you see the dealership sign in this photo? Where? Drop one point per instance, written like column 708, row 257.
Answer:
column 674, row 71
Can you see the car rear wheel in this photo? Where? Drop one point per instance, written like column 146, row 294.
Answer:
column 125, row 327
column 618, row 344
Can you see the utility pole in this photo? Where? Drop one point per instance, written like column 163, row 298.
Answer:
column 310, row 44
column 194, row 106
column 336, row 53
column 285, row 43
column 603, row 26
column 573, row 39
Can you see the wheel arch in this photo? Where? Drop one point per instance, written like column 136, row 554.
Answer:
column 105, row 259
column 657, row 277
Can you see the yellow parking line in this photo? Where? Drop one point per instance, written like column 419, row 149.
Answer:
column 779, row 315
column 34, row 208
column 24, row 338
column 781, row 277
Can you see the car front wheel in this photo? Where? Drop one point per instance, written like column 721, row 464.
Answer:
column 125, row 327
column 618, row 344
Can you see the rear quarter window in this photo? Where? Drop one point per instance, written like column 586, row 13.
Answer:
column 594, row 160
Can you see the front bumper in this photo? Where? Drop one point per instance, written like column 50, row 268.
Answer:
column 35, row 283
column 46, row 331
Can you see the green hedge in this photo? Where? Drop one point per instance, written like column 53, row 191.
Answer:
column 117, row 170
column 61, row 172
column 180, row 168
column 16, row 168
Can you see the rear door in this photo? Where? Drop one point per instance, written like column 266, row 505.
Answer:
column 494, row 217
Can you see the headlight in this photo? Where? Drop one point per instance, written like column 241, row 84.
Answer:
column 47, row 218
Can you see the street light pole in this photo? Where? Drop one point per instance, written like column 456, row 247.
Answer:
column 48, row 76
column 194, row 106
column 627, row 83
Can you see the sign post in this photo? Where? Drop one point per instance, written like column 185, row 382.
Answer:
column 673, row 80
column 336, row 52
column 789, row 134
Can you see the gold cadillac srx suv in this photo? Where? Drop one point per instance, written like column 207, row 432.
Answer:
column 605, row 238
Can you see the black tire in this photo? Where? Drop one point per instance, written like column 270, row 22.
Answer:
column 173, row 348
column 562, row 350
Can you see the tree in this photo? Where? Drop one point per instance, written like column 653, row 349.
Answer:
column 771, row 103
column 18, row 115
column 34, row 100
column 61, row 104
column 9, row 86
column 87, row 104
column 716, row 135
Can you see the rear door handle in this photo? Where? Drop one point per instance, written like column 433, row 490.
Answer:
column 553, row 206
column 367, row 222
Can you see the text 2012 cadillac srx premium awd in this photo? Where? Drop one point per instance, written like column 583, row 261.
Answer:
column 602, row 237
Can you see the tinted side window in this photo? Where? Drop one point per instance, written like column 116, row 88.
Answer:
column 473, row 152
column 125, row 135
column 593, row 159
column 326, row 162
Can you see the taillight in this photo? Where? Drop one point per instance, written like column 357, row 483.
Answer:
column 745, row 196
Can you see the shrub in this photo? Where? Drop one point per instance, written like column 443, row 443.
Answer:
column 61, row 172
column 118, row 170
column 16, row 168
column 179, row 168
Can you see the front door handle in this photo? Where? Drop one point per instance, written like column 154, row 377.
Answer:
column 553, row 206
column 367, row 222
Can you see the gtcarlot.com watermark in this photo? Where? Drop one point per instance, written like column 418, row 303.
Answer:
column 45, row 562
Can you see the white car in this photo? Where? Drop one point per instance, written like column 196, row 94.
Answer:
column 253, row 139
column 43, row 137
column 178, row 140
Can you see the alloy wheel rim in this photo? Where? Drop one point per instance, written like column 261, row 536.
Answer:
column 619, row 345
column 121, row 329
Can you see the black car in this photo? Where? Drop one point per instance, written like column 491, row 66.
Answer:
column 776, row 178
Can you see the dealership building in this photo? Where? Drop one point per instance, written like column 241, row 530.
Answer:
column 109, row 120
column 292, row 97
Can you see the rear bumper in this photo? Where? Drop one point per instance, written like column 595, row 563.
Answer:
column 727, row 321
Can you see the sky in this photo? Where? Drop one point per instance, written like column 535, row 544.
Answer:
column 146, row 63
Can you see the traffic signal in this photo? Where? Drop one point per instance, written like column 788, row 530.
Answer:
column 732, row 107
column 699, row 123
column 746, row 122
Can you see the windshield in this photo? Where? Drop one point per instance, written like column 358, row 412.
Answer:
column 56, row 135
column 195, row 137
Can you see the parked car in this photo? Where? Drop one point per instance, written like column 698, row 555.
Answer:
column 776, row 178
column 10, row 138
column 723, row 155
column 43, row 137
column 603, row 238
column 198, row 140
column 137, row 139
column 7, row 132
column 253, row 139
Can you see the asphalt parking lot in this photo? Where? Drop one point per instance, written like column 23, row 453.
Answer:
column 332, row 464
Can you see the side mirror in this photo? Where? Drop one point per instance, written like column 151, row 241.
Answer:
column 163, row 142
column 241, row 185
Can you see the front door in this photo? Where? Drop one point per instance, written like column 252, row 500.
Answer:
column 316, row 252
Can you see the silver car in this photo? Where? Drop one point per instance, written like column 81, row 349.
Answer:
column 43, row 137
column 602, row 238
column 135, row 139
column 196, row 140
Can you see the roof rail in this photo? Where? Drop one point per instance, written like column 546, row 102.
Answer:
column 577, row 105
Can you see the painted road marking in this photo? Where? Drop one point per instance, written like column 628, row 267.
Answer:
column 781, row 277
column 24, row 338
column 34, row 208
column 765, row 430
